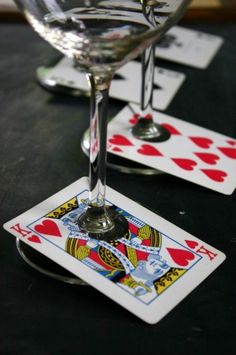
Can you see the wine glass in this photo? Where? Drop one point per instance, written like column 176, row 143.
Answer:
column 100, row 36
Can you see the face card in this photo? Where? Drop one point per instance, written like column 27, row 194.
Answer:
column 148, row 271
column 192, row 153
column 126, row 84
column 188, row 47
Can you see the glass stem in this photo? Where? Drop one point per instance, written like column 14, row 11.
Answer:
column 98, row 220
column 145, row 128
column 98, row 138
column 148, row 66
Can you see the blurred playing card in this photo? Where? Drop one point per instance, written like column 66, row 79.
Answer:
column 189, row 47
column 126, row 84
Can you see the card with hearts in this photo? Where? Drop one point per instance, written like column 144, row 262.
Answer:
column 189, row 47
column 148, row 271
column 192, row 153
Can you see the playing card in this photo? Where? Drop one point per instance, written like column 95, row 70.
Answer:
column 189, row 47
column 126, row 84
column 168, row 7
column 192, row 153
column 148, row 271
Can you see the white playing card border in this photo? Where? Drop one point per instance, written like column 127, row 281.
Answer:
column 164, row 303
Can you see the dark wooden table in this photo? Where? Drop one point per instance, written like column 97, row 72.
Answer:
column 40, row 154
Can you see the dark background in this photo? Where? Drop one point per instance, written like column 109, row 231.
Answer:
column 40, row 154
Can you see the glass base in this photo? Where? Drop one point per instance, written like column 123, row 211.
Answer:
column 46, row 266
column 120, row 164
column 103, row 223
column 149, row 131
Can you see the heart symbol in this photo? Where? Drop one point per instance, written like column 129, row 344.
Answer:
column 117, row 149
column 208, row 158
column 148, row 116
column 201, row 141
column 186, row 164
column 134, row 119
column 170, row 129
column 147, row 149
column 119, row 140
column 34, row 238
column 48, row 227
column 231, row 142
column 191, row 244
column 180, row 256
column 228, row 152
column 216, row 175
